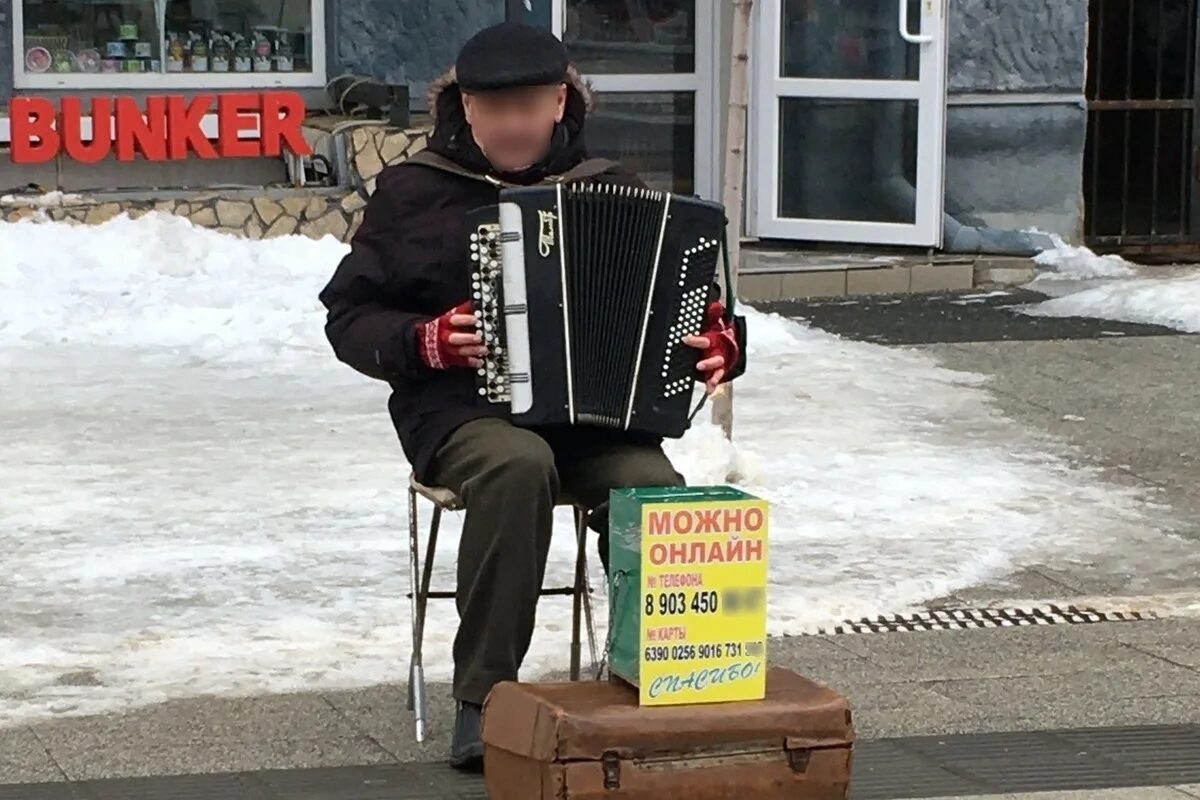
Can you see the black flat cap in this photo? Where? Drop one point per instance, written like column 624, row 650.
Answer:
column 508, row 55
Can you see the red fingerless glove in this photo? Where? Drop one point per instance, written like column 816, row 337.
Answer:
column 721, row 336
column 433, row 340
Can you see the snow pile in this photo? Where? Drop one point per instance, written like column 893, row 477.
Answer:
column 1069, row 261
column 1172, row 302
column 160, row 284
column 1109, row 287
column 46, row 200
column 206, row 522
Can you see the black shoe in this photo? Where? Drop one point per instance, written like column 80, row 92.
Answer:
column 466, row 749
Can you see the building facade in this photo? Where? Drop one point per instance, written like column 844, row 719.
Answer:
column 947, row 124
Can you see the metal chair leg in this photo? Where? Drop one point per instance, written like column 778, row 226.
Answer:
column 416, row 673
column 588, row 618
column 420, row 698
column 589, row 621
column 580, row 591
column 435, row 525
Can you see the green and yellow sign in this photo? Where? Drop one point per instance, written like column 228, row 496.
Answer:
column 688, row 582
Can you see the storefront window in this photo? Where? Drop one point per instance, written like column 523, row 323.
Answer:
column 632, row 36
column 65, row 38
column 652, row 133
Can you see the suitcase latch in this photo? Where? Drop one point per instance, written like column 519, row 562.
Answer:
column 798, row 760
column 612, row 770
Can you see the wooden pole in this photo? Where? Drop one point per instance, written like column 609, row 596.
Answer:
column 735, row 167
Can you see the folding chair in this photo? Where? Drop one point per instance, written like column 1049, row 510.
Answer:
column 420, row 595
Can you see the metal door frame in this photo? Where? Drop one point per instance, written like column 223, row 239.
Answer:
column 769, row 87
column 703, row 83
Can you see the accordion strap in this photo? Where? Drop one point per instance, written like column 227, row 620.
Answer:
column 582, row 171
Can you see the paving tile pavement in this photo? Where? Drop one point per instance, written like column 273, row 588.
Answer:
column 899, row 684
column 208, row 735
column 24, row 759
column 1125, row 403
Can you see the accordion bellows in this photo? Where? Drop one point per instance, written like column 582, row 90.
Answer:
column 585, row 293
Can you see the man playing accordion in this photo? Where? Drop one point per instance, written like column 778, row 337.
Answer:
column 511, row 112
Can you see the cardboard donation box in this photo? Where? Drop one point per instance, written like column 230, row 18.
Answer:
column 585, row 741
column 688, row 586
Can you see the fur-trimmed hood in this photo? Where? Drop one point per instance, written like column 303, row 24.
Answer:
column 452, row 138
column 449, row 80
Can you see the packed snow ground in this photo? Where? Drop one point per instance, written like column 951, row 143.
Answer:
column 199, row 499
column 1108, row 287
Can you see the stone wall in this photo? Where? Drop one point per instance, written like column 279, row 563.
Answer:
column 255, row 214
column 406, row 41
column 315, row 213
column 373, row 147
column 1015, row 167
column 1017, row 45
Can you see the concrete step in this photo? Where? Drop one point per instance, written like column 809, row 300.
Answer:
column 767, row 275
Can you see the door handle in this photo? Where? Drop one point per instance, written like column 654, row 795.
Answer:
column 910, row 37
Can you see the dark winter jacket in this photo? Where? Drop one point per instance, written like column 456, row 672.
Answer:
column 408, row 264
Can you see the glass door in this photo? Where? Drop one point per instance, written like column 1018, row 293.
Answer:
column 848, row 129
column 651, row 65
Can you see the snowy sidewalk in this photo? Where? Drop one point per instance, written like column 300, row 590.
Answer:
column 199, row 500
column 203, row 515
column 1128, row 404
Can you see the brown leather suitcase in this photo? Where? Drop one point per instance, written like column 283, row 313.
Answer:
column 579, row 741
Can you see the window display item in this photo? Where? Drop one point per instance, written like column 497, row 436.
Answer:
column 64, row 61
column 38, row 59
column 199, row 51
column 262, row 53
column 242, row 55
column 115, row 49
column 142, row 50
column 283, row 53
column 89, row 60
column 110, row 65
column 128, row 30
column 175, row 53
column 221, row 52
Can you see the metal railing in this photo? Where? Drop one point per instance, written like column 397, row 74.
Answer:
column 1140, row 180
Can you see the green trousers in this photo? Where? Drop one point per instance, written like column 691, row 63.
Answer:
column 509, row 479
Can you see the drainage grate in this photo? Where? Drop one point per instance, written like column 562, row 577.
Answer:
column 968, row 618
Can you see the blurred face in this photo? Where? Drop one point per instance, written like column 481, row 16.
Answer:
column 513, row 127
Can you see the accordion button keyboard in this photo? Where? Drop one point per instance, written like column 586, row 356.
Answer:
column 485, row 283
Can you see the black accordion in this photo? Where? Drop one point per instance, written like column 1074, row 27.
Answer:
column 584, row 294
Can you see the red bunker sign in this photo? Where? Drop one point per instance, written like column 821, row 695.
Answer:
column 159, row 127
